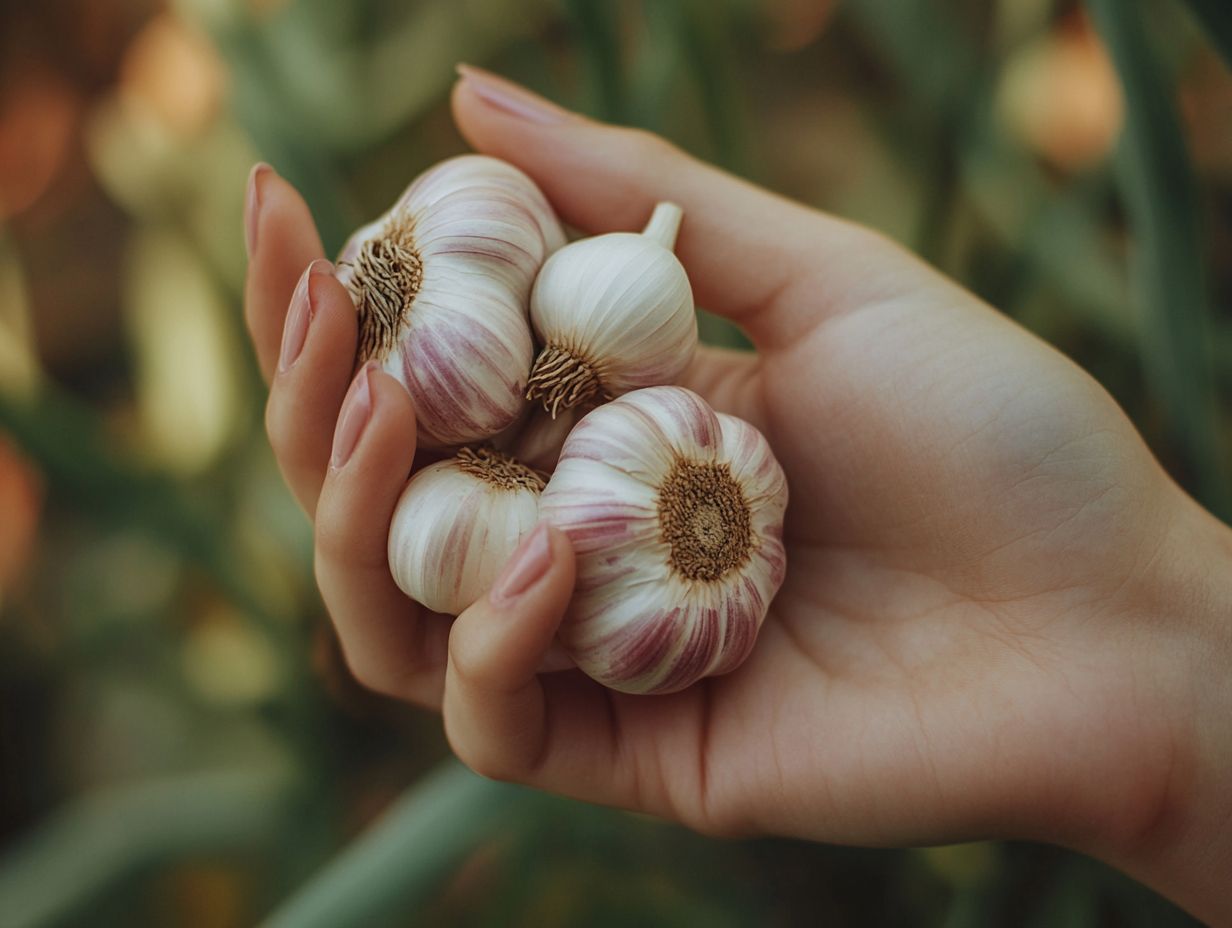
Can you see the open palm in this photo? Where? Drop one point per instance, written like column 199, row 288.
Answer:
column 971, row 518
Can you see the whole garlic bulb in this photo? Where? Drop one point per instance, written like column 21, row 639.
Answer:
column 676, row 515
column 456, row 524
column 441, row 284
column 614, row 313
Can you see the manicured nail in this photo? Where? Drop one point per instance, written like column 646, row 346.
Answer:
column 300, row 315
column 511, row 98
column 529, row 562
column 252, row 204
column 356, row 411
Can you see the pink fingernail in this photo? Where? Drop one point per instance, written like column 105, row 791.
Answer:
column 529, row 562
column 512, row 99
column 300, row 315
column 252, row 205
column 356, row 411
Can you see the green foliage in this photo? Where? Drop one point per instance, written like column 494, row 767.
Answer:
column 1161, row 197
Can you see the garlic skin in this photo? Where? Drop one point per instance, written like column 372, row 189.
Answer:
column 614, row 313
column 675, row 513
column 441, row 284
column 456, row 524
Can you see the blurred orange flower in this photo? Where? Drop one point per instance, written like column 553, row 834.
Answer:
column 1060, row 96
column 21, row 502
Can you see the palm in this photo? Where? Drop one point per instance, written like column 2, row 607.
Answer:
column 954, row 485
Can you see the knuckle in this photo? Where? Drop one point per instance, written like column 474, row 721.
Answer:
column 331, row 542
column 375, row 674
column 487, row 761
column 465, row 658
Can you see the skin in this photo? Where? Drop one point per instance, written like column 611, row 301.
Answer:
column 1001, row 617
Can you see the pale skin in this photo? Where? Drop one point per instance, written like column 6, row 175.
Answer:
column 1001, row 618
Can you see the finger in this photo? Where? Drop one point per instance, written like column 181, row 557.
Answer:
column 494, row 711
column 314, row 366
column 750, row 254
column 559, row 732
column 392, row 645
column 282, row 240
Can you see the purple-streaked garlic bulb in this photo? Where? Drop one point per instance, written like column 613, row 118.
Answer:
column 442, row 283
column 614, row 313
column 456, row 524
column 676, row 515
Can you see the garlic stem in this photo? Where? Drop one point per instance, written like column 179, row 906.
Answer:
column 664, row 224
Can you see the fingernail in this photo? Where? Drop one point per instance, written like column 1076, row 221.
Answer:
column 252, row 205
column 528, row 563
column 300, row 315
column 511, row 98
column 356, row 410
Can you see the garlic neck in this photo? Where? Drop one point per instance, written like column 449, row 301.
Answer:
column 387, row 275
column 704, row 520
column 664, row 224
column 499, row 469
column 561, row 379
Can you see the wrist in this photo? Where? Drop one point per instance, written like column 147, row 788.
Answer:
column 1184, row 848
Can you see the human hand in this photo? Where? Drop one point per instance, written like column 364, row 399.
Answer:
column 998, row 608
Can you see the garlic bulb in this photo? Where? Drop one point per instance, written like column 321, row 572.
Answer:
column 457, row 523
column 676, row 515
column 441, row 285
column 614, row 313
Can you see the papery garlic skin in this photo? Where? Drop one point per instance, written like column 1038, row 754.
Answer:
column 675, row 513
column 442, row 283
column 456, row 524
column 614, row 313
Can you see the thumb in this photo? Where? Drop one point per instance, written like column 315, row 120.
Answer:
column 744, row 248
column 494, row 705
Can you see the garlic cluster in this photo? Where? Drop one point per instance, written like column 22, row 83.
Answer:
column 614, row 313
column 675, row 513
column 441, row 285
column 456, row 524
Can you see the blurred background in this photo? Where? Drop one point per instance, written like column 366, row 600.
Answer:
column 179, row 742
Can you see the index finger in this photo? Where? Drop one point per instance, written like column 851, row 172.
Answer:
column 752, row 256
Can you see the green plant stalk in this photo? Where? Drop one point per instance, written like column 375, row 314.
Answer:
column 1161, row 198
column 598, row 31
column 96, row 841
column 1216, row 17
column 395, row 867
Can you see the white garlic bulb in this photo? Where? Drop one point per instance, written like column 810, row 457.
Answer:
column 676, row 515
column 456, row 524
column 614, row 313
column 441, row 284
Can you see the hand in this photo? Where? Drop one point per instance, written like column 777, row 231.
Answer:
column 995, row 600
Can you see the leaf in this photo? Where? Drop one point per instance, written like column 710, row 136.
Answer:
column 598, row 32
column 57, row 870
column 1216, row 17
column 1161, row 199
column 396, row 866
column 62, row 437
